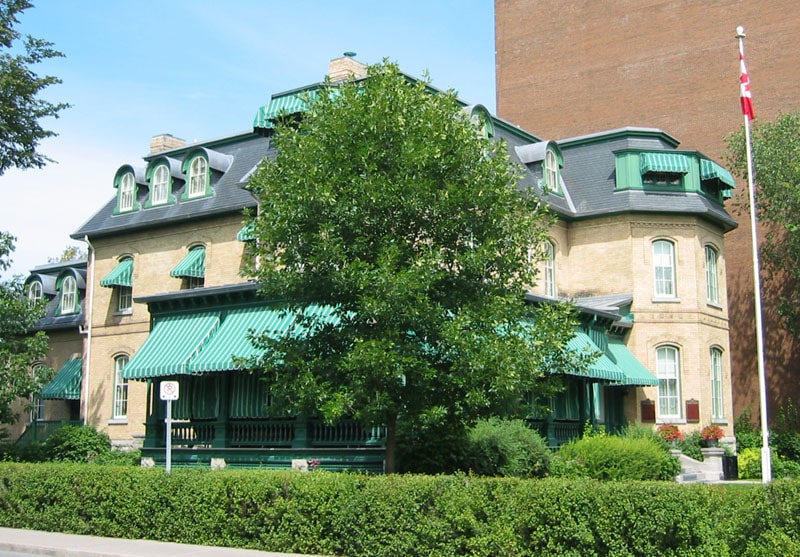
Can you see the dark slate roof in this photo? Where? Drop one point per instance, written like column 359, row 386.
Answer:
column 230, row 196
column 48, row 275
column 589, row 177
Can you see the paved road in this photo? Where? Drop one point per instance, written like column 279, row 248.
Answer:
column 18, row 543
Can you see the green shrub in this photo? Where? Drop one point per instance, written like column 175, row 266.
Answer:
column 690, row 445
column 749, row 461
column 616, row 458
column 76, row 443
column 637, row 431
column 748, row 434
column 117, row 457
column 30, row 452
column 430, row 449
column 506, row 448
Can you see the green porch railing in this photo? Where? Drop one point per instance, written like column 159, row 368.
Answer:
column 39, row 430
column 557, row 432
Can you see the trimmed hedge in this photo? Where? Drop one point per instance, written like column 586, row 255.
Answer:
column 351, row 514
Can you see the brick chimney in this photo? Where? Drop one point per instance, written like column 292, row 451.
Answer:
column 346, row 67
column 165, row 142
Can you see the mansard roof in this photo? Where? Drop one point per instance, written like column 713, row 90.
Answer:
column 48, row 275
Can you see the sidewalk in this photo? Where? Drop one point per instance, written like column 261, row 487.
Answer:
column 67, row 545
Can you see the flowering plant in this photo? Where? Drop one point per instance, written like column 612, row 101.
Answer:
column 711, row 432
column 670, row 432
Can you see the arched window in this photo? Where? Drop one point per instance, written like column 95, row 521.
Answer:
column 668, row 371
column 120, row 409
column 551, row 174
column 717, row 400
column 664, row 268
column 160, row 185
column 198, row 177
column 37, row 403
column 35, row 291
column 712, row 275
column 69, row 295
column 550, row 270
column 126, row 192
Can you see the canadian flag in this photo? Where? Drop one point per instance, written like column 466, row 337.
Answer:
column 744, row 87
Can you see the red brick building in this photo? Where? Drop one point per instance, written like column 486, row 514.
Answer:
column 567, row 68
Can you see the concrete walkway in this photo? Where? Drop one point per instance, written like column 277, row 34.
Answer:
column 67, row 545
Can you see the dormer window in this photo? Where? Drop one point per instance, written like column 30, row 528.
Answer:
column 159, row 189
column 69, row 296
column 198, row 177
column 551, row 172
column 35, row 291
column 126, row 192
column 663, row 169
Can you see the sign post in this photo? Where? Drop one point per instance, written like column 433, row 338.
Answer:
column 169, row 392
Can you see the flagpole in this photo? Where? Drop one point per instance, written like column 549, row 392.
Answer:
column 747, row 110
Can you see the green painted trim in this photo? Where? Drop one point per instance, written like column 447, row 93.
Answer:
column 148, row 204
column 117, row 180
column 186, row 167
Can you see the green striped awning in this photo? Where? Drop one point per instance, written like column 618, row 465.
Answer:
column 231, row 339
column 173, row 342
column 66, row 385
column 121, row 275
column 283, row 105
column 710, row 170
column 602, row 368
column 635, row 372
column 673, row 163
column 247, row 233
column 193, row 265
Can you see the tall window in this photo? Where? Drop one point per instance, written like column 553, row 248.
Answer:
column 35, row 291
column 551, row 171
column 717, row 401
column 120, row 409
column 160, row 185
column 37, row 403
column 124, row 298
column 550, row 270
column 126, row 187
column 668, row 370
column 69, row 294
column 664, row 268
column 712, row 277
column 198, row 176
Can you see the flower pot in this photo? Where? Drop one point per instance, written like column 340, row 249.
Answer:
column 708, row 443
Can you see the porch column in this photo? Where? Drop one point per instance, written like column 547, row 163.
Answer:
column 151, row 437
column 221, row 424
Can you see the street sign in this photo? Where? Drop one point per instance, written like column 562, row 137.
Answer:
column 169, row 390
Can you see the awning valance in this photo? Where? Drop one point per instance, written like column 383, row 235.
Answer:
column 174, row 340
column 673, row 163
column 635, row 372
column 247, row 233
column 66, row 385
column 121, row 275
column 710, row 170
column 193, row 265
column 283, row 106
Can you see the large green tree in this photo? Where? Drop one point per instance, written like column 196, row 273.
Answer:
column 776, row 156
column 21, row 107
column 384, row 203
column 19, row 348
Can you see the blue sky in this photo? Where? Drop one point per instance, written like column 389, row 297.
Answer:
column 200, row 69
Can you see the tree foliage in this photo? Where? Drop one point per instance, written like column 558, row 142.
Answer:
column 19, row 349
column 21, row 107
column 776, row 156
column 383, row 203
column 70, row 253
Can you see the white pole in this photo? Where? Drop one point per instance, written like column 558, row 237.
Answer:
column 169, row 435
column 766, row 460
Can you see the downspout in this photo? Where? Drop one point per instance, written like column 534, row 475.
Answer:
column 88, row 331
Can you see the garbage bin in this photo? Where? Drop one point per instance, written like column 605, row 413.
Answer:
column 730, row 467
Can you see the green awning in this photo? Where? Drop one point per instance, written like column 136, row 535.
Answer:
column 602, row 368
column 710, row 170
column 283, row 105
column 673, row 163
column 635, row 372
column 231, row 339
column 174, row 340
column 66, row 385
column 121, row 275
column 247, row 233
column 193, row 265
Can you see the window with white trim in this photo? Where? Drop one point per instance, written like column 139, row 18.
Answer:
column 160, row 185
column 126, row 192
column 35, row 291
column 664, row 268
column 717, row 400
column 712, row 275
column 198, row 177
column 37, row 402
column 668, row 371
column 69, row 295
column 550, row 270
column 551, row 174
column 120, row 402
